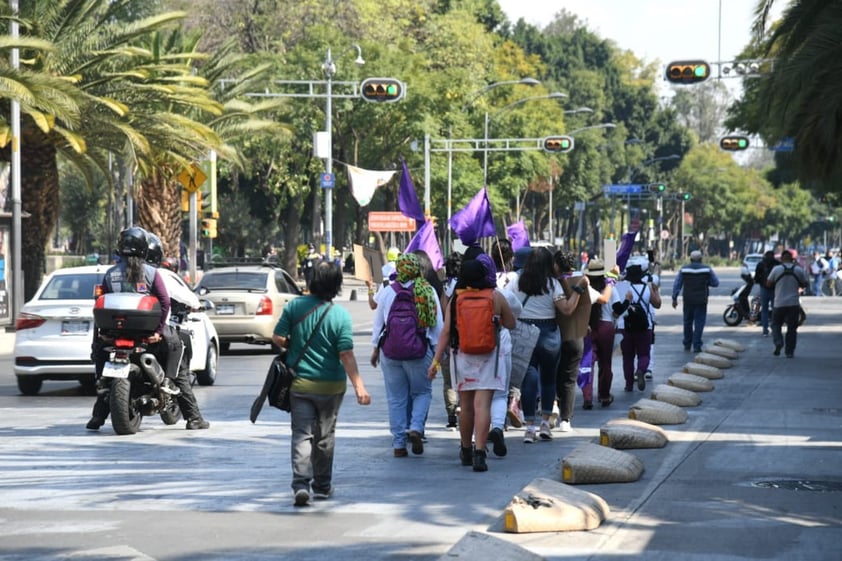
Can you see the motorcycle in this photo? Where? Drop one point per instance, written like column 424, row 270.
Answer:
column 134, row 380
column 745, row 306
column 748, row 307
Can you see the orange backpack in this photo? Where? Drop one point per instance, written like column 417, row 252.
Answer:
column 475, row 320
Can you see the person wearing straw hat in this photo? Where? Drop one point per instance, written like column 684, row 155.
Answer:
column 602, row 324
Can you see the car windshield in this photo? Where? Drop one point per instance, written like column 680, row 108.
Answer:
column 237, row 280
column 71, row 287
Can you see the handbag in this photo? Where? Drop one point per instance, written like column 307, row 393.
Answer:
column 524, row 338
column 277, row 388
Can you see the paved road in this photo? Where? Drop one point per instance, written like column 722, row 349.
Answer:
column 720, row 489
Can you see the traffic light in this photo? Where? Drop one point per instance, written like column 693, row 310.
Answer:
column 688, row 71
column 208, row 227
column 734, row 143
column 686, row 196
column 657, row 188
column 382, row 90
column 562, row 144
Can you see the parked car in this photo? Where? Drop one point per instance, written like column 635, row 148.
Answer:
column 750, row 263
column 54, row 331
column 248, row 300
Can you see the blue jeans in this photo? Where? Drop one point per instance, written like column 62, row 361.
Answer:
column 541, row 372
column 406, row 381
column 767, row 301
column 313, row 420
column 695, row 316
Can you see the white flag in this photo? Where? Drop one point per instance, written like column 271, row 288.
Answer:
column 364, row 182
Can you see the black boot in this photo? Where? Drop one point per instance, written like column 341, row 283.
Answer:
column 466, row 455
column 479, row 460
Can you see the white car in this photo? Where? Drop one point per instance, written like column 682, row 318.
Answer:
column 54, row 331
column 750, row 262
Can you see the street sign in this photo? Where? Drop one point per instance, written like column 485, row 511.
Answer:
column 390, row 222
column 328, row 181
column 192, row 178
column 786, row 144
column 665, row 234
column 624, row 188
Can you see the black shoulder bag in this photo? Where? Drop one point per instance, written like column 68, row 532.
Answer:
column 278, row 384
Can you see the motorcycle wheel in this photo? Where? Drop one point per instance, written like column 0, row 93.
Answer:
column 732, row 316
column 125, row 417
column 171, row 413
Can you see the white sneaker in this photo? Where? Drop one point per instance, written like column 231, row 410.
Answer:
column 529, row 435
column 565, row 426
column 546, row 432
column 555, row 417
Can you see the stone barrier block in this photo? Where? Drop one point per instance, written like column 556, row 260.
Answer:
column 675, row 395
column 690, row 382
column 657, row 412
column 592, row 463
column 545, row 505
column 628, row 434
column 704, row 370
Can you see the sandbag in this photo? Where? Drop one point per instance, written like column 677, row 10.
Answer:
column 719, row 350
column 712, row 360
column 690, row 382
column 592, row 463
column 545, row 505
column 675, row 395
column 657, row 412
column 704, row 370
column 627, row 434
column 731, row 344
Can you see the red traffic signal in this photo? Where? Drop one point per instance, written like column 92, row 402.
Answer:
column 382, row 90
column 560, row 144
column 688, row 71
column 734, row 143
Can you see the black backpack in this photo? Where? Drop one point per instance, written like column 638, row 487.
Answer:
column 637, row 318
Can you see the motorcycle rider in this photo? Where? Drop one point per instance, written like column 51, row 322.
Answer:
column 182, row 299
column 133, row 274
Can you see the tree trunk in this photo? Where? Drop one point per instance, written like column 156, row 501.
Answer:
column 292, row 236
column 158, row 203
column 39, row 198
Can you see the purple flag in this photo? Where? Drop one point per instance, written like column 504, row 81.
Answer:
column 518, row 234
column 474, row 221
column 425, row 238
column 625, row 249
column 407, row 199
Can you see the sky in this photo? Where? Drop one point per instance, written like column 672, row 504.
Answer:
column 663, row 30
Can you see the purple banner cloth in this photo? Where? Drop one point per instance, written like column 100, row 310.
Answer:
column 625, row 249
column 408, row 199
column 518, row 234
column 425, row 238
column 474, row 221
column 586, row 365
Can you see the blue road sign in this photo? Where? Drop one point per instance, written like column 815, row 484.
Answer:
column 623, row 188
column 328, row 181
column 786, row 144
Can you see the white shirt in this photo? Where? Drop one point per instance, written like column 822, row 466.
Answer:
column 384, row 303
column 541, row 306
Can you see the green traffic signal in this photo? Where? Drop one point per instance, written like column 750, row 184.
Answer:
column 734, row 143
column 657, row 188
column 558, row 144
column 686, row 196
column 687, row 71
column 382, row 90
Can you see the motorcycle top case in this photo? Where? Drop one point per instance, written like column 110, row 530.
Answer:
column 127, row 313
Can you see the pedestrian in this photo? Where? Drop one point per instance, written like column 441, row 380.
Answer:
column 819, row 269
column 641, row 296
column 314, row 322
column 787, row 280
column 478, row 375
column 574, row 330
column 452, row 265
column 182, row 302
column 500, row 399
column 602, row 329
column 695, row 279
column 767, row 295
column 542, row 297
column 524, row 337
column 407, row 325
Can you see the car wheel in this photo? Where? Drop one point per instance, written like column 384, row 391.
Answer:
column 224, row 348
column 207, row 376
column 29, row 385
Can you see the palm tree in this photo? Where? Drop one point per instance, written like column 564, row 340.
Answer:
column 119, row 96
column 803, row 93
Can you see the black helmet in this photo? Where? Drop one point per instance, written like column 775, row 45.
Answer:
column 155, row 251
column 133, row 242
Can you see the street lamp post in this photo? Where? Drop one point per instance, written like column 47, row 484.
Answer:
column 329, row 68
